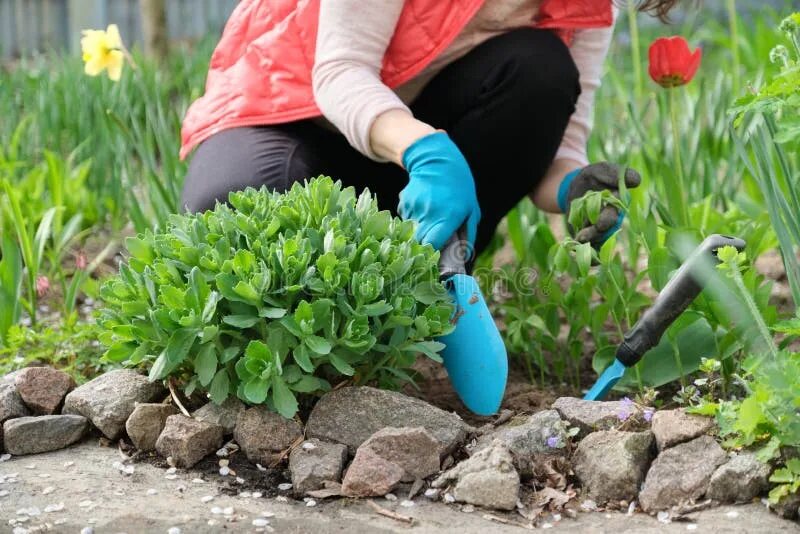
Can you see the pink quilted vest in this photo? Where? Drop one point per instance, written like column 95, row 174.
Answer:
column 260, row 72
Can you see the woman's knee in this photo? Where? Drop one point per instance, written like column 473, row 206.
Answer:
column 238, row 158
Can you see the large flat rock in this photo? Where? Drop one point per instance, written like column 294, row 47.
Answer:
column 32, row 435
column 351, row 415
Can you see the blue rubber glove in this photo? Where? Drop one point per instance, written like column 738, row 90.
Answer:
column 440, row 195
column 596, row 177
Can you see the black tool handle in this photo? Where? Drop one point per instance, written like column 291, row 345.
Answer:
column 673, row 300
column 455, row 254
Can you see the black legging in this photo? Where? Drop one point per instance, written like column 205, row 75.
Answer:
column 505, row 104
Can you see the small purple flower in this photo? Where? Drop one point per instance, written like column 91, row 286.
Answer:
column 648, row 414
column 552, row 442
column 627, row 403
column 623, row 415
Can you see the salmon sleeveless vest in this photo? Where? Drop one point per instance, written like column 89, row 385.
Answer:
column 260, row 72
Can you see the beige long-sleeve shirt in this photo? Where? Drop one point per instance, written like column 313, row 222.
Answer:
column 353, row 36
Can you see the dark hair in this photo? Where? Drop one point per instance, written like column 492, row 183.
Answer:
column 658, row 8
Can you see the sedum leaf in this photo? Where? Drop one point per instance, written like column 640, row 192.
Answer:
column 283, row 398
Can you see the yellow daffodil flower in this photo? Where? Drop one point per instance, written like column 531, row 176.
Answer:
column 103, row 50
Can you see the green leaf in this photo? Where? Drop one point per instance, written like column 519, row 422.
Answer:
column 272, row 313
column 310, row 384
column 561, row 260
column 256, row 390
column 140, row 249
column 241, row 321
column 220, row 387
column 429, row 292
column 283, row 398
column 247, row 292
column 229, row 353
column 178, row 346
column 119, row 352
column 750, row 415
column 377, row 224
column 205, row 364
column 341, row 365
column 258, row 350
column 706, row 408
column 303, row 359
column 376, row 308
column 210, row 306
column 173, row 297
column 318, row 344
column 160, row 368
column 431, row 349
column 583, row 257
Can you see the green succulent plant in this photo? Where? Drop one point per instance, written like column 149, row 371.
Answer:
column 276, row 295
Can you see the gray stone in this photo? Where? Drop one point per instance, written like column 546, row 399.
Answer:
column 108, row 400
column 314, row 463
column 187, row 440
column 740, row 480
column 351, row 415
column 589, row 416
column 788, row 507
column 413, row 449
column 33, row 435
column 370, row 475
column 611, row 464
column 672, row 427
column 11, row 404
column 43, row 389
column 526, row 437
column 224, row 414
column 681, row 474
column 263, row 435
column 486, row 479
column 146, row 423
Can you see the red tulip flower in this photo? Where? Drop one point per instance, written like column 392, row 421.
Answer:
column 672, row 63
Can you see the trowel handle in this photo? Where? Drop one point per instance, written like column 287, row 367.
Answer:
column 454, row 255
column 673, row 300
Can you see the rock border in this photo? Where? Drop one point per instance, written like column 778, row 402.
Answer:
column 619, row 454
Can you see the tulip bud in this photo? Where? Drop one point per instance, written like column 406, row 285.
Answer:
column 672, row 64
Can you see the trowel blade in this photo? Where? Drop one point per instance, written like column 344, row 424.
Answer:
column 475, row 356
column 607, row 380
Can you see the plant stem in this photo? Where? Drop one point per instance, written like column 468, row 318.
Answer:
column 734, row 29
column 633, row 25
column 680, row 190
column 678, row 362
column 755, row 315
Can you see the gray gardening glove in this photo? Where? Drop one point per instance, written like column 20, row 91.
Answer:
column 596, row 177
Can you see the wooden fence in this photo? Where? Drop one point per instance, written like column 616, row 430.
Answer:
column 30, row 26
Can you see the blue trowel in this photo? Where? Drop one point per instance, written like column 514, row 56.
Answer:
column 673, row 300
column 475, row 356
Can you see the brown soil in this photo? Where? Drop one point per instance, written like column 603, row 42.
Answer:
column 521, row 396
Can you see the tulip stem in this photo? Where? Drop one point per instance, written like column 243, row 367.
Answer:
column 682, row 208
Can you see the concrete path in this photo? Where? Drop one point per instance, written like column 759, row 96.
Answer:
column 80, row 488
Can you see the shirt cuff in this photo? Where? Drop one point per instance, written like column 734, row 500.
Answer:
column 579, row 156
